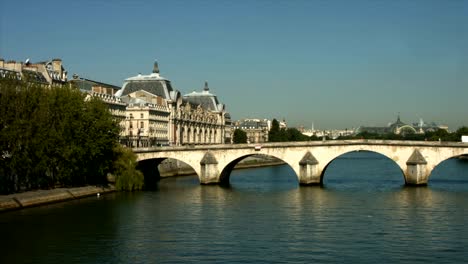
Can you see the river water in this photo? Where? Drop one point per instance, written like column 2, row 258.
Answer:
column 362, row 214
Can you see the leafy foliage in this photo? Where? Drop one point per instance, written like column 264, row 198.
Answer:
column 239, row 136
column 282, row 135
column 127, row 177
column 52, row 137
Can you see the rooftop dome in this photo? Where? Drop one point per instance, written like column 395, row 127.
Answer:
column 153, row 83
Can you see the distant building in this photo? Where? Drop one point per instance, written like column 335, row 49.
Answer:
column 400, row 128
column 48, row 73
column 256, row 129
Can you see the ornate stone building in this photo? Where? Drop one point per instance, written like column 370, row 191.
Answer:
column 147, row 120
column 196, row 118
column 201, row 118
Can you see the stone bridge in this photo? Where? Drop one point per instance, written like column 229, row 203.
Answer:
column 309, row 160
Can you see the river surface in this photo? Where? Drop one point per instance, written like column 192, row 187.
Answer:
column 362, row 214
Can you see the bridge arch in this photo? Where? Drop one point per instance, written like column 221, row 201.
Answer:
column 375, row 153
column 440, row 163
column 226, row 171
column 386, row 152
column 151, row 171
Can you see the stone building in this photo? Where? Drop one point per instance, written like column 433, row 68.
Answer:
column 201, row 118
column 196, row 118
column 48, row 73
column 256, row 129
column 147, row 119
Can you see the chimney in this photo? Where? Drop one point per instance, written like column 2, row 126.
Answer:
column 206, row 87
column 57, row 65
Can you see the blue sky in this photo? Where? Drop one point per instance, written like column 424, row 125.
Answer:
column 339, row 64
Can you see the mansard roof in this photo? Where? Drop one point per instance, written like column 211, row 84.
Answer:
column 87, row 84
column 34, row 76
column 205, row 99
column 153, row 83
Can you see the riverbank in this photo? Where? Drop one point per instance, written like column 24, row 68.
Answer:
column 41, row 197
column 169, row 168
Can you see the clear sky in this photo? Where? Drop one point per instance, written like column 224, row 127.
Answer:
column 338, row 64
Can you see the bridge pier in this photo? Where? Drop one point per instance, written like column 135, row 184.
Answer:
column 209, row 169
column 309, row 173
column 416, row 170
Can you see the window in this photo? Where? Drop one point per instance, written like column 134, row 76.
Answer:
column 142, row 124
column 141, row 115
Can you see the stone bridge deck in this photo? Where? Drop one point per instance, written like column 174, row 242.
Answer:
column 214, row 163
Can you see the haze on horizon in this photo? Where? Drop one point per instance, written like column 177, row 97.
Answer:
column 337, row 64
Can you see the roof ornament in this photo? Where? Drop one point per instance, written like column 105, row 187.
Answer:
column 155, row 67
column 206, row 87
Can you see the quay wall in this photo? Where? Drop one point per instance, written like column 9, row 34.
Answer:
column 41, row 197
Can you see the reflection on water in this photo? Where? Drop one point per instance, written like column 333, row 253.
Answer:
column 363, row 214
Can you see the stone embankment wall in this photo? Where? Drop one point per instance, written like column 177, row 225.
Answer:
column 40, row 197
column 170, row 167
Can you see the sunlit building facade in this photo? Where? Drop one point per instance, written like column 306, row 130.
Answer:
column 195, row 118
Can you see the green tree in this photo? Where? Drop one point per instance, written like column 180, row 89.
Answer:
column 52, row 137
column 293, row 134
column 274, row 133
column 239, row 136
column 462, row 131
column 128, row 178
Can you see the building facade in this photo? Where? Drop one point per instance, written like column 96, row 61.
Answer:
column 256, row 129
column 147, row 120
column 195, row 118
column 201, row 118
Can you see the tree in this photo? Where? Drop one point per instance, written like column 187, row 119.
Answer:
column 128, row 178
column 293, row 134
column 274, row 133
column 52, row 137
column 239, row 136
column 462, row 131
